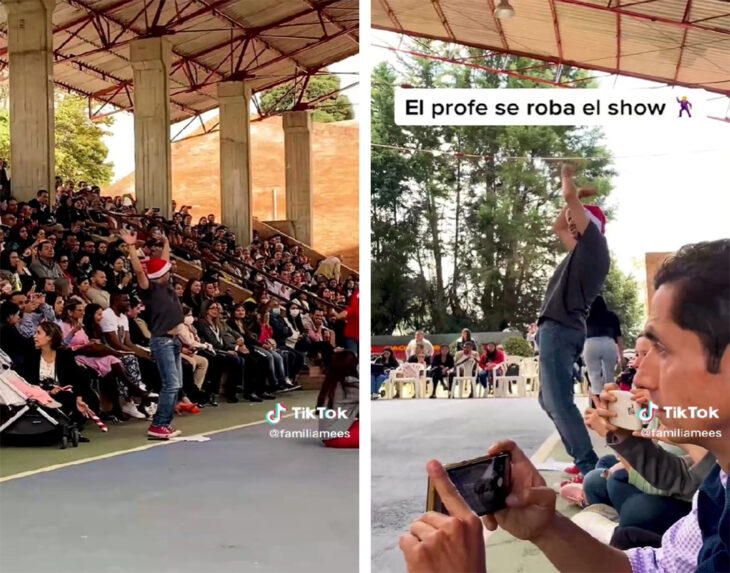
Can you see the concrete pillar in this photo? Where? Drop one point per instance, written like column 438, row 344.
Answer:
column 30, row 59
column 299, row 173
column 235, row 149
column 150, row 59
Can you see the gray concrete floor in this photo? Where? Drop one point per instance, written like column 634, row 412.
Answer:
column 408, row 433
column 242, row 502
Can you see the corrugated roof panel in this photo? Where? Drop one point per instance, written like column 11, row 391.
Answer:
column 648, row 46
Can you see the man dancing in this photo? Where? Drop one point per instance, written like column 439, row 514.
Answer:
column 577, row 280
column 165, row 319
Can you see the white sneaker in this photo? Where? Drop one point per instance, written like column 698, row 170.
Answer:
column 130, row 409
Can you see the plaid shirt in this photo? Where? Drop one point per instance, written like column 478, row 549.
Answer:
column 680, row 546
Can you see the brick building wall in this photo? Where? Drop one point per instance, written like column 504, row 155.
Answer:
column 195, row 180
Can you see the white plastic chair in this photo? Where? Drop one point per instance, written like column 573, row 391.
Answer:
column 408, row 373
column 503, row 381
column 466, row 374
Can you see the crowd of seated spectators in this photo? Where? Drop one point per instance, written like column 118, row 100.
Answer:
column 62, row 263
column 441, row 365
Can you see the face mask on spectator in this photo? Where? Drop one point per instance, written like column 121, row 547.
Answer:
column 189, row 320
column 276, row 311
column 294, row 312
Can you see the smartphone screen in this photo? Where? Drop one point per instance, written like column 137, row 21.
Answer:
column 484, row 484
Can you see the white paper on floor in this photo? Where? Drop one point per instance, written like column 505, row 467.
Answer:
column 552, row 465
column 197, row 438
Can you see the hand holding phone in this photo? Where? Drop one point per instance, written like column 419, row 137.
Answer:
column 438, row 542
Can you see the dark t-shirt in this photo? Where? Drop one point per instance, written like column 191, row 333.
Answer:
column 607, row 324
column 577, row 281
column 163, row 308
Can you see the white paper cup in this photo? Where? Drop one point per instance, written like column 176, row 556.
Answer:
column 626, row 409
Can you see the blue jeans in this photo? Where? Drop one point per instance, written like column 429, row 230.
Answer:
column 166, row 354
column 351, row 345
column 595, row 486
column 376, row 381
column 655, row 513
column 560, row 346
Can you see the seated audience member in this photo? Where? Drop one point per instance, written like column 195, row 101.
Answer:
column 321, row 341
column 688, row 365
column 441, row 364
column 199, row 355
column 15, row 270
column 15, row 345
column 464, row 338
column 245, row 323
column 380, row 370
column 105, row 361
column 45, row 267
column 340, row 392
column 53, row 367
column 420, row 357
column 33, row 310
column 281, row 331
column 81, row 291
column 330, row 267
column 97, row 293
column 419, row 339
column 231, row 350
column 492, row 358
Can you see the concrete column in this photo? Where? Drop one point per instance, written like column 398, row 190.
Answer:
column 30, row 59
column 150, row 59
column 299, row 173
column 235, row 149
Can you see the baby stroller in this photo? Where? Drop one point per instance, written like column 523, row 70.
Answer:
column 28, row 420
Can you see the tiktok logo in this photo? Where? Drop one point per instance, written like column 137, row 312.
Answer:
column 647, row 414
column 274, row 416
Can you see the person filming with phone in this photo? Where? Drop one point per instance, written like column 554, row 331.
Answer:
column 688, row 365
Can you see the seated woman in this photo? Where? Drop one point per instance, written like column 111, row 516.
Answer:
column 199, row 355
column 82, row 333
column 341, row 392
column 492, row 358
column 420, row 357
column 81, row 292
column 16, row 271
column 52, row 366
column 380, row 370
column 245, row 323
column 441, row 365
column 230, row 351
column 15, row 345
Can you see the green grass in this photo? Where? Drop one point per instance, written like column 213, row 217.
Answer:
column 132, row 434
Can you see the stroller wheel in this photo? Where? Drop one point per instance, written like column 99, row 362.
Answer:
column 64, row 442
column 75, row 437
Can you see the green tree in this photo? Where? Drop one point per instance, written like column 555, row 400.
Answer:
column 81, row 153
column 468, row 226
column 335, row 107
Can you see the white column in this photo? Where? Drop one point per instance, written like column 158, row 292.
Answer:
column 298, row 157
column 235, row 161
column 150, row 59
column 30, row 59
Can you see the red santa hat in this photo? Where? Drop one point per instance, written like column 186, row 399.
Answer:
column 156, row 268
column 596, row 215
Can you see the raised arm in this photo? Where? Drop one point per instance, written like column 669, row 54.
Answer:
column 572, row 199
column 131, row 239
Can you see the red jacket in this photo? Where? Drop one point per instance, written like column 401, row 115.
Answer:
column 498, row 360
column 352, row 326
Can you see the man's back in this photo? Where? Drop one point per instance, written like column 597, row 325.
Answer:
column 577, row 280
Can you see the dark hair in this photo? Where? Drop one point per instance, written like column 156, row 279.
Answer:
column 92, row 329
column 54, row 332
column 342, row 365
column 701, row 276
column 8, row 309
column 68, row 308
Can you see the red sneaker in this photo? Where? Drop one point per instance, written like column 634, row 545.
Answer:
column 572, row 470
column 576, row 479
column 162, row 433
